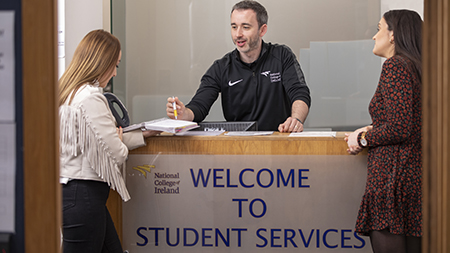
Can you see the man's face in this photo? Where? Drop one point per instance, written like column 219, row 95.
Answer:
column 245, row 32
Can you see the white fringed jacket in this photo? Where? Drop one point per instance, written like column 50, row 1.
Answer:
column 89, row 144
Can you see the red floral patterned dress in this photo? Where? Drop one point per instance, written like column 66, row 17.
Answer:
column 392, row 198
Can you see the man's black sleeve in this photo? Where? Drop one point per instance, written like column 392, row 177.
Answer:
column 206, row 94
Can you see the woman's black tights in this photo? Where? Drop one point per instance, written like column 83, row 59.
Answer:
column 384, row 242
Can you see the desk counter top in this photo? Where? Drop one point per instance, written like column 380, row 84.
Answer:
column 275, row 144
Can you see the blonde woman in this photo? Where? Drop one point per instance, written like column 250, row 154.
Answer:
column 93, row 150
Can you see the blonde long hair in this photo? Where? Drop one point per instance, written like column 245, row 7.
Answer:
column 97, row 53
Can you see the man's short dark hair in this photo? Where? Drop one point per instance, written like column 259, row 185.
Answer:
column 261, row 13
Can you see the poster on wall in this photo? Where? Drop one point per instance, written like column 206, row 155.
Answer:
column 232, row 203
column 7, row 177
column 7, row 66
column 7, row 123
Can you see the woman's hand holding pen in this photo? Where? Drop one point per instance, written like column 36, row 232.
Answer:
column 173, row 103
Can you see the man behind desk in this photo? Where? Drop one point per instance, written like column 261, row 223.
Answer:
column 258, row 81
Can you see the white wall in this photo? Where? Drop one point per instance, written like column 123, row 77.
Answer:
column 169, row 54
column 159, row 29
column 416, row 5
column 81, row 17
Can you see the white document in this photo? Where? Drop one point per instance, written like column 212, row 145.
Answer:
column 249, row 133
column 313, row 134
column 201, row 133
column 7, row 66
column 165, row 125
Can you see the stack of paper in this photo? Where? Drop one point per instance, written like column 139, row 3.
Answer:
column 248, row 133
column 314, row 134
column 165, row 125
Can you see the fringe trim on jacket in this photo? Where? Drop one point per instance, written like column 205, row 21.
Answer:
column 76, row 131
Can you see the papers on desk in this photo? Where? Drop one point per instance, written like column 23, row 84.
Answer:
column 249, row 133
column 165, row 125
column 314, row 134
column 201, row 133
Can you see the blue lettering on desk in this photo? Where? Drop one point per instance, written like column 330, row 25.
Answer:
column 167, row 175
column 267, row 238
column 286, row 238
column 263, row 205
column 263, row 178
column 191, row 236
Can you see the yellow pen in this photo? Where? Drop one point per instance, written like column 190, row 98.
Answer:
column 174, row 108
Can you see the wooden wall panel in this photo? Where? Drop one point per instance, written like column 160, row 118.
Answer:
column 114, row 205
column 41, row 174
column 436, row 137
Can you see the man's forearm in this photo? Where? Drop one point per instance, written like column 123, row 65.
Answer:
column 300, row 110
column 188, row 114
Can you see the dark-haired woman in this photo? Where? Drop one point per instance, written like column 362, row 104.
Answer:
column 390, row 211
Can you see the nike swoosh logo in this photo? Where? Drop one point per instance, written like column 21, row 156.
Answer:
column 265, row 73
column 233, row 83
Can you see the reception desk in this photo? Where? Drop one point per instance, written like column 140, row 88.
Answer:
column 242, row 193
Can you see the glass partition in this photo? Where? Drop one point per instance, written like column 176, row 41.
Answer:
column 167, row 45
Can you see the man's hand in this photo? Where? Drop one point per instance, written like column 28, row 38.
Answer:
column 291, row 125
column 182, row 112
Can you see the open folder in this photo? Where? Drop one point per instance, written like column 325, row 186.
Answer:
column 163, row 124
